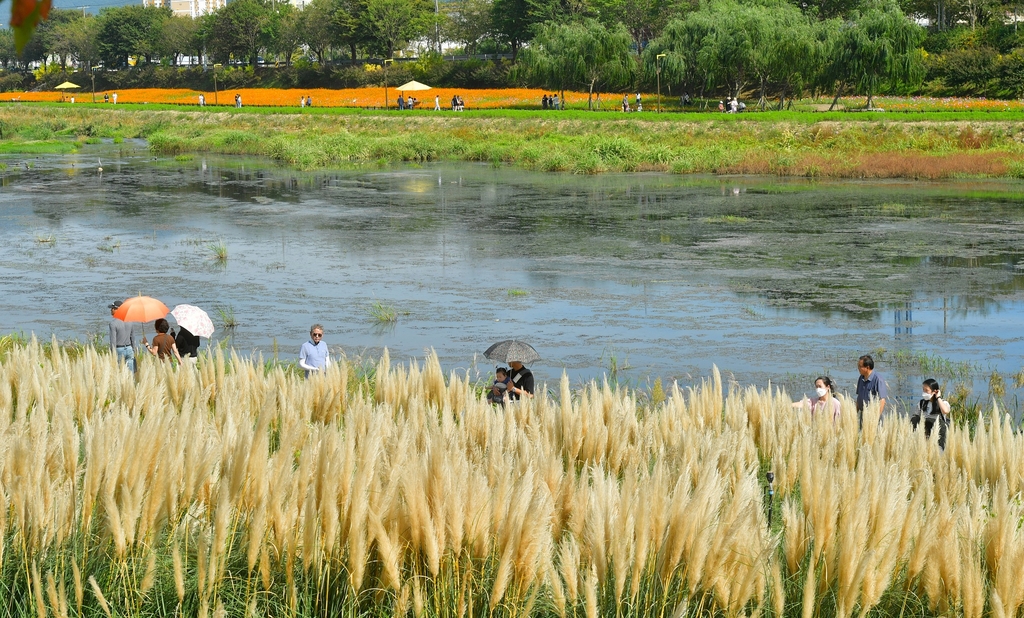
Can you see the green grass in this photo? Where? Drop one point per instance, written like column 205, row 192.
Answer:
column 798, row 143
column 219, row 251
column 49, row 146
column 227, row 317
column 570, row 114
column 517, row 293
column 383, row 313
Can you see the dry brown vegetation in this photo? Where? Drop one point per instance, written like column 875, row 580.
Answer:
column 878, row 165
column 234, row 489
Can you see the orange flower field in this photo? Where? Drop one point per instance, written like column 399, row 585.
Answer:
column 490, row 98
column 322, row 97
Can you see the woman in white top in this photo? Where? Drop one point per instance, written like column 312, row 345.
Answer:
column 824, row 399
column 934, row 409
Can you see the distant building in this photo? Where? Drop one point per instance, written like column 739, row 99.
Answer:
column 188, row 8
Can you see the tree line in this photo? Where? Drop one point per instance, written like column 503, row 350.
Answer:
column 771, row 50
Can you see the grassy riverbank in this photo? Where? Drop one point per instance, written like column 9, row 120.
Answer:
column 925, row 145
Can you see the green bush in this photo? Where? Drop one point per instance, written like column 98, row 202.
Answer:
column 968, row 72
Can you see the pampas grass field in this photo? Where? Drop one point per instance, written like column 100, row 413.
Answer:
column 231, row 489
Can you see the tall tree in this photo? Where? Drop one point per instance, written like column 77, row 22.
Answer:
column 469, row 22
column 8, row 54
column 877, row 47
column 177, row 37
column 644, row 19
column 288, row 33
column 347, row 22
column 512, row 24
column 783, row 46
column 242, row 29
column 579, row 55
column 57, row 35
column 316, row 29
column 392, row 23
column 129, row 31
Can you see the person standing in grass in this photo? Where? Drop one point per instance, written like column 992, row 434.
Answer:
column 824, row 399
column 314, row 355
column 188, row 344
column 870, row 387
column 520, row 380
column 934, row 410
column 122, row 339
column 163, row 344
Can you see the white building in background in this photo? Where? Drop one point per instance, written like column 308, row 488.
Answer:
column 188, row 8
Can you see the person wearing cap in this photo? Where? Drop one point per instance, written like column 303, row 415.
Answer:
column 122, row 338
column 314, row 355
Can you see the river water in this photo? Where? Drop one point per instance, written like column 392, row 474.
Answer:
column 642, row 275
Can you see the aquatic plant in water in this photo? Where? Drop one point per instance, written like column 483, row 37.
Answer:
column 382, row 313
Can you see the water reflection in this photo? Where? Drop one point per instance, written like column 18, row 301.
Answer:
column 771, row 280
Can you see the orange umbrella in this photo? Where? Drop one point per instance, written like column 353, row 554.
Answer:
column 141, row 309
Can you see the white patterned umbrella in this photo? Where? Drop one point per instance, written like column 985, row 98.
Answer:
column 193, row 319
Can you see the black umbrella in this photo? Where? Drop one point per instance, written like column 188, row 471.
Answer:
column 511, row 350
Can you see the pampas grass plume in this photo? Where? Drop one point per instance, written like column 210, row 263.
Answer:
column 99, row 596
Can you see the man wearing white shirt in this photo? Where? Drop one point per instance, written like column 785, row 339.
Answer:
column 314, row 355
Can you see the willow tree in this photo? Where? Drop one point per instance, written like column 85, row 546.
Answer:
column 579, row 55
column 783, row 45
column 714, row 46
column 878, row 46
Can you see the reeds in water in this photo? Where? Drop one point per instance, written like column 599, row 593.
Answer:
column 232, row 488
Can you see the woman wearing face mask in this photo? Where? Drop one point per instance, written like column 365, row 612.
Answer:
column 824, row 398
column 934, row 409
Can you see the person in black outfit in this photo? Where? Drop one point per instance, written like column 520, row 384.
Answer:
column 934, row 410
column 521, row 381
column 188, row 344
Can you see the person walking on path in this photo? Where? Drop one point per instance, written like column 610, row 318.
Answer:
column 437, row 102
column 314, row 355
column 114, row 98
column 122, row 339
column 870, row 387
column 202, row 100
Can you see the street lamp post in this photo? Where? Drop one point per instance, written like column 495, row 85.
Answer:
column 215, row 100
column 657, row 62
column 437, row 25
column 386, row 61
